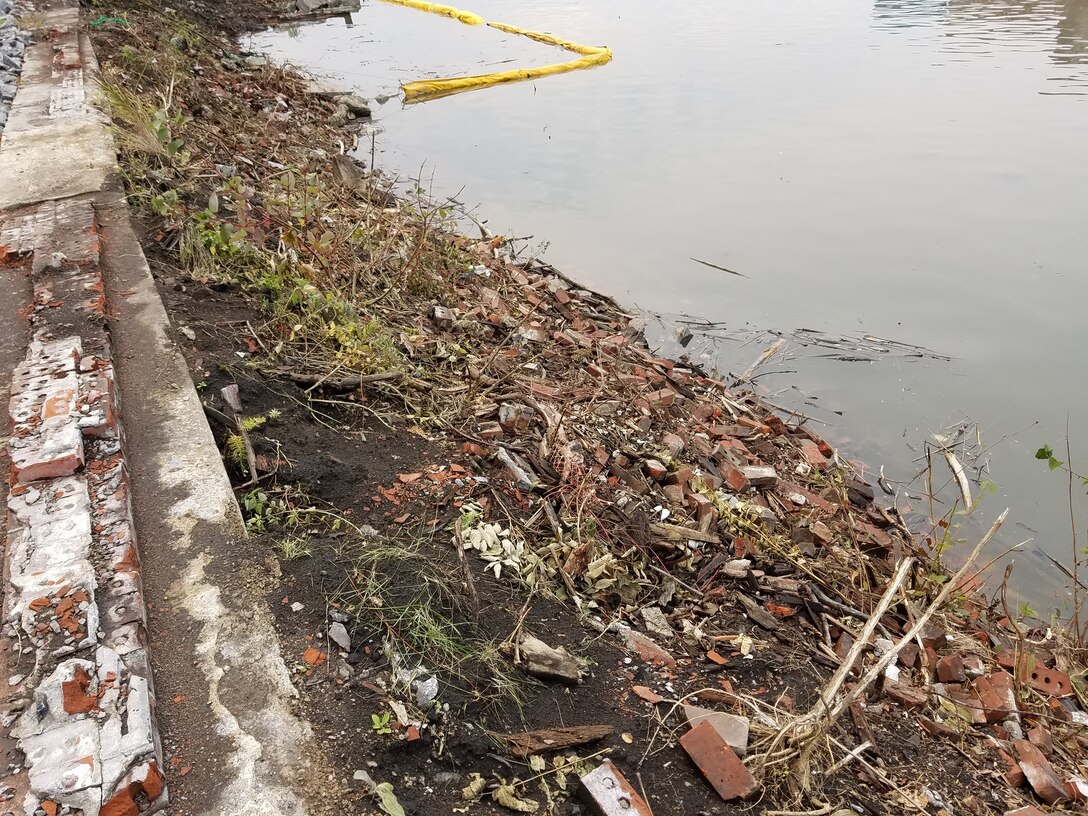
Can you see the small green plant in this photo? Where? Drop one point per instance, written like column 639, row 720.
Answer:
column 236, row 453
column 380, row 723
column 166, row 205
column 292, row 547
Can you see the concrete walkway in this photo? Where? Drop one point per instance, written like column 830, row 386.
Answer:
column 109, row 446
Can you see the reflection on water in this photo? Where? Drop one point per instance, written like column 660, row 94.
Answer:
column 909, row 170
column 1060, row 27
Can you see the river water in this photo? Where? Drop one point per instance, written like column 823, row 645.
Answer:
column 910, row 170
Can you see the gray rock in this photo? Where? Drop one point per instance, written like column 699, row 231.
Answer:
column 356, row 105
column 338, row 634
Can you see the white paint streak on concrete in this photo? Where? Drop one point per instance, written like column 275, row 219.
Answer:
column 248, row 646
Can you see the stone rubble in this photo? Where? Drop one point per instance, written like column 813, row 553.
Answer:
column 13, row 44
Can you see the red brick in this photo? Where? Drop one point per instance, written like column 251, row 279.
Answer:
column 647, row 694
column 674, row 493
column 76, row 698
column 1077, row 788
column 702, row 505
column 703, row 411
column 1040, row 737
column 906, row 695
column 997, row 694
column 719, row 763
column 646, row 649
column 1040, row 773
column 734, row 477
column 654, row 469
column 662, row 398
column 950, row 669
column 813, row 455
column 153, row 784
column 680, row 476
column 122, row 804
column 1014, row 776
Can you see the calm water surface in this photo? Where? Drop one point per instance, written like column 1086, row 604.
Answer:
column 913, row 170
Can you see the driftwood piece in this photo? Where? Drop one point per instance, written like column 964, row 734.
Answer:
column 540, row 660
column 758, row 614
column 555, row 739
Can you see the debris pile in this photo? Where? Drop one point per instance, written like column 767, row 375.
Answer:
column 784, row 628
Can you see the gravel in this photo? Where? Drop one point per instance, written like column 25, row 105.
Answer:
column 13, row 43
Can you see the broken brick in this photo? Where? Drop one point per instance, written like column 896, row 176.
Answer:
column 662, row 398
column 122, row 804
column 76, row 698
column 733, row 477
column 731, row 728
column 680, row 476
column 718, row 762
column 950, row 669
column 315, row 657
column 1014, row 776
column 648, row 694
column 813, row 455
column 608, row 792
column 906, row 695
column 1040, row 737
column 655, row 469
column 1040, row 773
column 997, row 695
column 646, row 649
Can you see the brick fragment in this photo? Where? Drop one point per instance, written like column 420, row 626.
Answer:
column 1040, row 737
column 515, row 418
column 647, row 650
column 673, row 444
column 1040, row 774
column 608, row 793
column 718, row 762
column 906, row 695
column 950, row 669
column 680, row 476
column 760, row 475
column 733, row 477
column 662, row 398
column 655, row 469
column 813, row 455
column 77, row 699
column 997, row 695
column 731, row 728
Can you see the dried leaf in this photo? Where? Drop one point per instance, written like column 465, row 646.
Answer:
column 505, row 795
column 387, row 800
column 474, row 788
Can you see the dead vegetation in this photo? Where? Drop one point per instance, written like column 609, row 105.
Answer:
column 643, row 493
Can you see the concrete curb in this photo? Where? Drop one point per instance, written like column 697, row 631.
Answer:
column 80, row 707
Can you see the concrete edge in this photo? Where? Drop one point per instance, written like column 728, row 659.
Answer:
column 81, row 705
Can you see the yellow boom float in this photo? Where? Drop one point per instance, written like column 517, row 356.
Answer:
column 424, row 89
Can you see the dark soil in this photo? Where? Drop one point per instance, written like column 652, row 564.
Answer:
column 358, row 453
column 345, row 466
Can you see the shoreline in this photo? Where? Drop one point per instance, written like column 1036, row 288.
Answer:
column 555, row 462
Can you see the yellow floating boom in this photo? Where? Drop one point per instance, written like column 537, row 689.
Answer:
column 424, row 89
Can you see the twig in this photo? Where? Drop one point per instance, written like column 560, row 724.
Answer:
column 466, row 571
